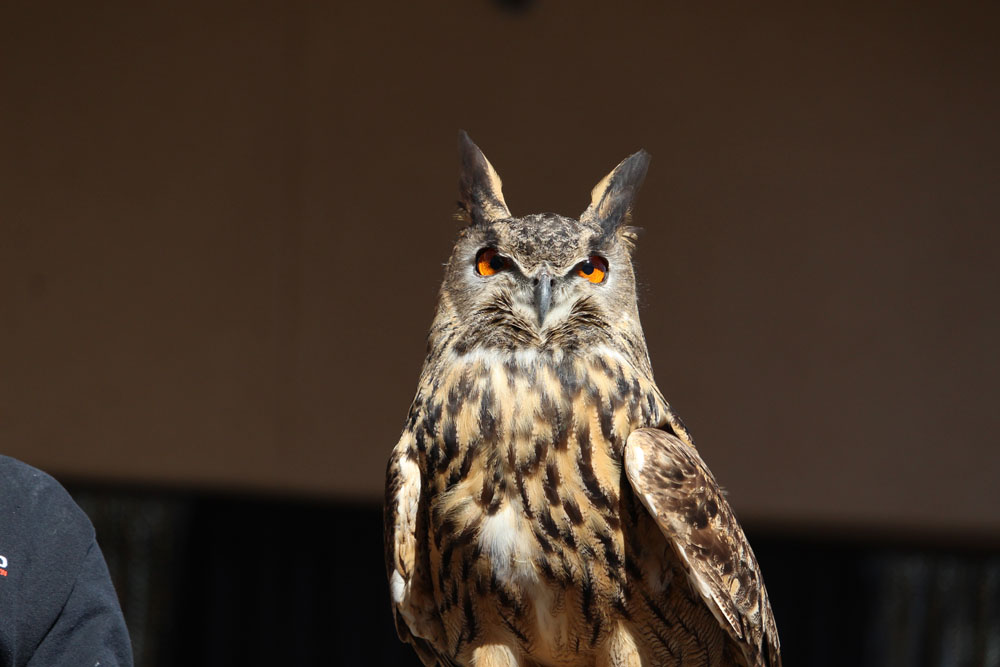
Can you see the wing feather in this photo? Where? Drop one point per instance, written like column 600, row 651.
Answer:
column 679, row 491
column 417, row 620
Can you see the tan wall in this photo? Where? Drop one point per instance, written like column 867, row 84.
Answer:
column 221, row 231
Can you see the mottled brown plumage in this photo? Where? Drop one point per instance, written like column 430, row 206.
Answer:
column 544, row 505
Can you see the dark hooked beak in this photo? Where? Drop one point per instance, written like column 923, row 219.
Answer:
column 543, row 295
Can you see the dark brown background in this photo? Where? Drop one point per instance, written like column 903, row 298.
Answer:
column 221, row 231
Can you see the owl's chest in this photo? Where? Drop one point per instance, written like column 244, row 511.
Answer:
column 525, row 481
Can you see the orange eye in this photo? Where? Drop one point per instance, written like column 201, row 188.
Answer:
column 489, row 261
column 594, row 269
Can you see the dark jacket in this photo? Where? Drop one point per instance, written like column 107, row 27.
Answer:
column 57, row 603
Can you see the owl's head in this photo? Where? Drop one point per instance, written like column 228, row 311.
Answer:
column 542, row 281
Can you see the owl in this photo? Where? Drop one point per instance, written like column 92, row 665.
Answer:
column 544, row 505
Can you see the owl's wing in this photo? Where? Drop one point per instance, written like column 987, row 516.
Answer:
column 678, row 489
column 413, row 608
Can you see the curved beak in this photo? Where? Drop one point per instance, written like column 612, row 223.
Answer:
column 543, row 294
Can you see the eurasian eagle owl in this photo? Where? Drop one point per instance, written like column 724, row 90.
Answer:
column 544, row 505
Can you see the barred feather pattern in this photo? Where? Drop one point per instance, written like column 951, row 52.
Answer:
column 531, row 538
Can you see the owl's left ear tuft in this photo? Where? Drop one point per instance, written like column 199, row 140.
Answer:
column 480, row 193
column 611, row 199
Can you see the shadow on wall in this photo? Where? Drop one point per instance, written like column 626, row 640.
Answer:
column 220, row 580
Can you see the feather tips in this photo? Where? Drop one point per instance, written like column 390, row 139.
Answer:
column 679, row 491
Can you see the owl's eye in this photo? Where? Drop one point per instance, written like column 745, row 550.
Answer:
column 594, row 269
column 489, row 261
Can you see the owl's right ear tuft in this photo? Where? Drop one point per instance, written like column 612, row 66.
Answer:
column 479, row 186
column 612, row 198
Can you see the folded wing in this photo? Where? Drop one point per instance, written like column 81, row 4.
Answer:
column 679, row 491
column 414, row 611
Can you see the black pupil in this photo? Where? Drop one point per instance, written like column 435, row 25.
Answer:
column 586, row 268
column 496, row 262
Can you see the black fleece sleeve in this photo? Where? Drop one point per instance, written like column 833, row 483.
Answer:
column 57, row 604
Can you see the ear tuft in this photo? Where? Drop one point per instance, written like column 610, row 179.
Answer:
column 611, row 199
column 480, row 189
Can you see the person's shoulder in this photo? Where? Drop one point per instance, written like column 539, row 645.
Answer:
column 53, row 578
column 30, row 497
column 24, row 477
